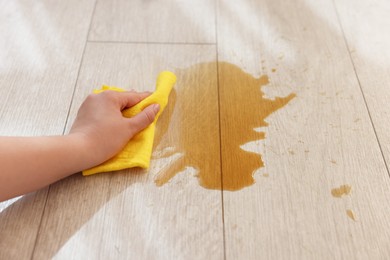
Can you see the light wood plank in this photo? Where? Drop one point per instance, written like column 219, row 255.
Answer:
column 40, row 52
column 154, row 21
column 19, row 223
column 366, row 25
column 124, row 215
column 41, row 49
column 320, row 141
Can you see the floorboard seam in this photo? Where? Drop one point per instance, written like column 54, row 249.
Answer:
column 220, row 132
column 151, row 43
column 64, row 129
column 360, row 86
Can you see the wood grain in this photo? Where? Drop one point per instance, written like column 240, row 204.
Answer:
column 154, row 21
column 365, row 26
column 321, row 182
column 40, row 52
column 321, row 140
column 124, row 214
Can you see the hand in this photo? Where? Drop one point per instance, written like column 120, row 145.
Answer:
column 101, row 125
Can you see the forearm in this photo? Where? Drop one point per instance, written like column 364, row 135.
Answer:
column 30, row 163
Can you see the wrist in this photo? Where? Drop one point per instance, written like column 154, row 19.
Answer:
column 82, row 149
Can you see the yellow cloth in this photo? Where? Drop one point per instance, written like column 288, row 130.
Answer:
column 138, row 151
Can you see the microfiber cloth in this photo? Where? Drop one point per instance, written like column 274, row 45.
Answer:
column 138, row 151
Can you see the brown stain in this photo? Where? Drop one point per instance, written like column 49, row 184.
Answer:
column 350, row 214
column 243, row 107
column 342, row 190
column 206, row 136
column 273, row 70
column 190, row 125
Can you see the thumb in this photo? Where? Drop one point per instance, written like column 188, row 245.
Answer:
column 143, row 118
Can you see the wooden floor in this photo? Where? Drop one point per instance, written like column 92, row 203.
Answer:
column 320, row 153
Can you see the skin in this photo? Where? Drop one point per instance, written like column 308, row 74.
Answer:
column 30, row 163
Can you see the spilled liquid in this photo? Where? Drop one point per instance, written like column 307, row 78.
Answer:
column 189, row 126
column 342, row 190
column 350, row 214
column 207, row 127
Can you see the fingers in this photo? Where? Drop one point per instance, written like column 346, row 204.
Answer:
column 130, row 98
column 125, row 99
column 143, row 119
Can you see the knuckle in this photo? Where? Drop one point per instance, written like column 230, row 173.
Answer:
column 149, row 116
column 135, row 97
column 107, row 94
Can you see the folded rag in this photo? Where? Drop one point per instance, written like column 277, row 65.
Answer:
column 138, row 150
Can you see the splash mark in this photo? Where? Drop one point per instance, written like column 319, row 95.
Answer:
column 193, row 126
column 342, row 190
column 350, row 214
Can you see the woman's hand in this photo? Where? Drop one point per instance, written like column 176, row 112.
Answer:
column 101, row 125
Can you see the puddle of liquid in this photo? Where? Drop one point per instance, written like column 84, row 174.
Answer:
column 190, row 124
column 243, row 107
column 207, row 136
column 342, row 190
